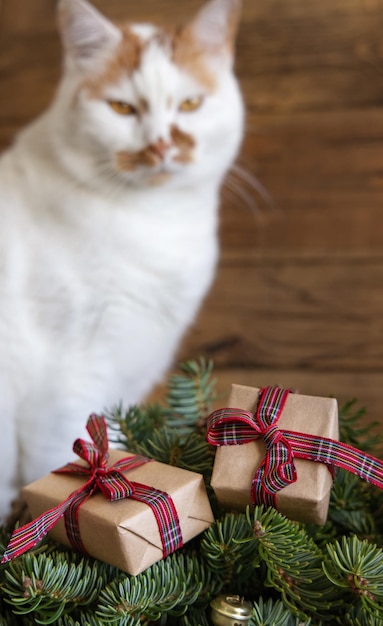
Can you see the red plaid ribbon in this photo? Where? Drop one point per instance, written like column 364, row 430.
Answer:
column 112, row 484
column 235, row 426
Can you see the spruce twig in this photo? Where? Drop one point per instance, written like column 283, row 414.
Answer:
column 294, row 564
column 274, row 612
column 190, row 396
column 48, row 585
column 354, row 566
column 169, row 586
column 133, row 426
column 189, row 452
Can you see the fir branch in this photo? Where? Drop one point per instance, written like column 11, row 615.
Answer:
column 168, row 586
column 190, row 452
column 274, row 613
column 130, row 427
column 355, row 567
column 229, row 551
column 47, row 585
column 294, row 564
column 190, row 396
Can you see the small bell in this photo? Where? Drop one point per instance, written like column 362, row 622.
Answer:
column 230, row 611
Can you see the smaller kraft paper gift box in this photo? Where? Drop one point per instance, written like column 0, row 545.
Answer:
column 256, row 461
column 124, row 509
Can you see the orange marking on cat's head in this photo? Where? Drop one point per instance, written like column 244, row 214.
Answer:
column 192, row 53
column 125, row 60
column 191, row 58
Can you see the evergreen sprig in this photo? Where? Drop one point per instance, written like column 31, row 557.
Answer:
column 266, row 613
column 135, row 424
column 229, row 551
column 190, row 396
column 49, row 584
column 167, row 587
column 354, row 566
column 293, row 563
column 295, row 574
column 189, row 452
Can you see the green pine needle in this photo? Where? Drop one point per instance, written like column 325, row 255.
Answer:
column 354, row 566
column 47, row 585
column 229, row 550
column 274, row 613
column 190, row 396
column 190, row 452
column 170, row 586
column 128, row 428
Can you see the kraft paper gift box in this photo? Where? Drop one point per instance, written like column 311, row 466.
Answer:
column 125, row 533
column 307, row 499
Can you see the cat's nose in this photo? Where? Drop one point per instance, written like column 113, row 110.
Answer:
column 160, row 148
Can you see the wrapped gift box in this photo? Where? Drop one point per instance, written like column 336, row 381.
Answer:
column 125, row 533
column 307, row 499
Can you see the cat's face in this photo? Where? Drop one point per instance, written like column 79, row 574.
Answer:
column 148, row 106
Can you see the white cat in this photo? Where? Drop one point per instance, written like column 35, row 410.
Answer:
column 108, row 214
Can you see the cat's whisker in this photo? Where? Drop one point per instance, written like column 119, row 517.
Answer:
column 108, row 174
column 243, row 175
column 237, row 190
column 246, row 188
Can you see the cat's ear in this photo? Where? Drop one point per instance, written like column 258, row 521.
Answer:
column 215, row 26
column 86, row 34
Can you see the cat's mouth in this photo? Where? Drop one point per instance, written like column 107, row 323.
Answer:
column 159, row 159
column 146, row 158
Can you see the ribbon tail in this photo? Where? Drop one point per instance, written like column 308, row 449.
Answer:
column 29, row 535
column 337, row 454
column 97, row 429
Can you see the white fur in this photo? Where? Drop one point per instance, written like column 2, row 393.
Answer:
column 100, row 271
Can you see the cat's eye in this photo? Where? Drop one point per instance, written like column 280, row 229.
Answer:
column 122, row 108
column 191, row 104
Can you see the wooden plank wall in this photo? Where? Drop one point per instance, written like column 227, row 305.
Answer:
column 298, row 297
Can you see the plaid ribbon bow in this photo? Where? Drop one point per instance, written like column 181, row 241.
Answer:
column 230, row 426
column 112, row 484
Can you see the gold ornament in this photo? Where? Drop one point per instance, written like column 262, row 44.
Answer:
column 230, row 611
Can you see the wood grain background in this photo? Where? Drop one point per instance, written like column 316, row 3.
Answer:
column 298, row 297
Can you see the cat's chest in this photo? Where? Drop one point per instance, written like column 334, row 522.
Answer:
column 149, row 236
column 86, row 260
